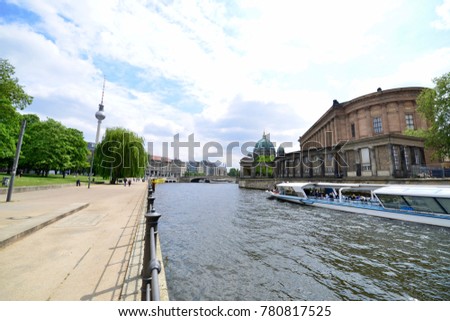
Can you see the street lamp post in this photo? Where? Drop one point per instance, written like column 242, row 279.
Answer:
column 100, row 115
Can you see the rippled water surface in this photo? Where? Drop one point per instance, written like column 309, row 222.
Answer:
column 220, row 242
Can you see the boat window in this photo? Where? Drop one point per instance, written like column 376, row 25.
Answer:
column 393, row 201
column 301, row 194
column 445, row 203
column 289, row 191
column 424, row 204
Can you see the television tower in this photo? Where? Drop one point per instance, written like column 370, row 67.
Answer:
column 100, row 115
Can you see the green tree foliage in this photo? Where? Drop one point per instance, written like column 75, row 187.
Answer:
column 434, row 105
column 11, row 93
column 48, row 145
column 264, row 165
column 120, row 153
column 31, row 119
column 234, row 172
column 12, row 96
column 76, row 149
column 9, row 132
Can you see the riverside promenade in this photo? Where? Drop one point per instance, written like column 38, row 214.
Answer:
column 74, row 243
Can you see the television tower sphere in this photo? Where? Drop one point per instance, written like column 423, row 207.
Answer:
column 100, row 115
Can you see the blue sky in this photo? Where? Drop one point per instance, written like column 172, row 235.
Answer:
column 224, row 71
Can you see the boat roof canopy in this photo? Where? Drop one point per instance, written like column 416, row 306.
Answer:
column 298, row 185
column 415, row 190
column 405, row 190
column 331, row 185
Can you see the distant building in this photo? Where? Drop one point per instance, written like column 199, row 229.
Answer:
column 165, row 167
column 206, row 168
column 213, row 169
column 363, row 137
column 194, row 168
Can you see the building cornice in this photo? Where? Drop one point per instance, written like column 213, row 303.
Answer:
column 375, row 98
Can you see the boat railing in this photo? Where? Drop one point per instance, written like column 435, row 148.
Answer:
column 348, row 200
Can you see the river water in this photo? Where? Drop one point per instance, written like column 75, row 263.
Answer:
column 221, row 242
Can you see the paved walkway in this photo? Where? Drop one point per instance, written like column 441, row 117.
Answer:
column 72, row 243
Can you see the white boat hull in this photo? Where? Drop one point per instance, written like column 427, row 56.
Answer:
column 424, row 218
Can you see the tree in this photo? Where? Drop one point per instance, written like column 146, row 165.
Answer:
column 12, row 96
column 434, row 105
column 234, row 172
column 121, row 153
column 264, row 165
column 9, row 132
column 11, row 93
column 50, row 145
column 31, row 119
column 42, row 146
column 76, row 149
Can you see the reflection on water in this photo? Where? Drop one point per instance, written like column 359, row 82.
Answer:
column 225, row 243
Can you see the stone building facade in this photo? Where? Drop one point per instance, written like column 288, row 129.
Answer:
column 363, row 137
column 165, row 167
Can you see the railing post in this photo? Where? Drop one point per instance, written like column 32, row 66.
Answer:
column 150, row 201
column 155, row 265
column 150, row 198
column 151, row 266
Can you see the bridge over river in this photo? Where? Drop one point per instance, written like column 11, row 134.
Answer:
column 206, row 179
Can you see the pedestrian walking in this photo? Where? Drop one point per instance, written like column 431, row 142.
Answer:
column 124, row 182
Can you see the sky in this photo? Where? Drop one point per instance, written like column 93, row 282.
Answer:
column 221, row 72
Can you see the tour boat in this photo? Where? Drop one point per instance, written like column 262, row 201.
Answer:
column 414, row 203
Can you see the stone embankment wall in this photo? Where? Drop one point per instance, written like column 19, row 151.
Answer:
column 264, row 184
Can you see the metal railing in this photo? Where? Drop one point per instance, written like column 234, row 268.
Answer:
column 151, row 266
column 429, row 171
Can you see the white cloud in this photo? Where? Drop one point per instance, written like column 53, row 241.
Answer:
column 443, row 12
column 204, row 66
column 418, row 72
column 45, row 68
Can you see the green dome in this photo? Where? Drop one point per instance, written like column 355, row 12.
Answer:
column 264, row 143
column 264, row 146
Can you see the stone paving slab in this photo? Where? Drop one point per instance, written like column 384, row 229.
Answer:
column 21, row 224
column 87, row 254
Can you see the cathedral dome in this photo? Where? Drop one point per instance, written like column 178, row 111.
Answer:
column 264, row 146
